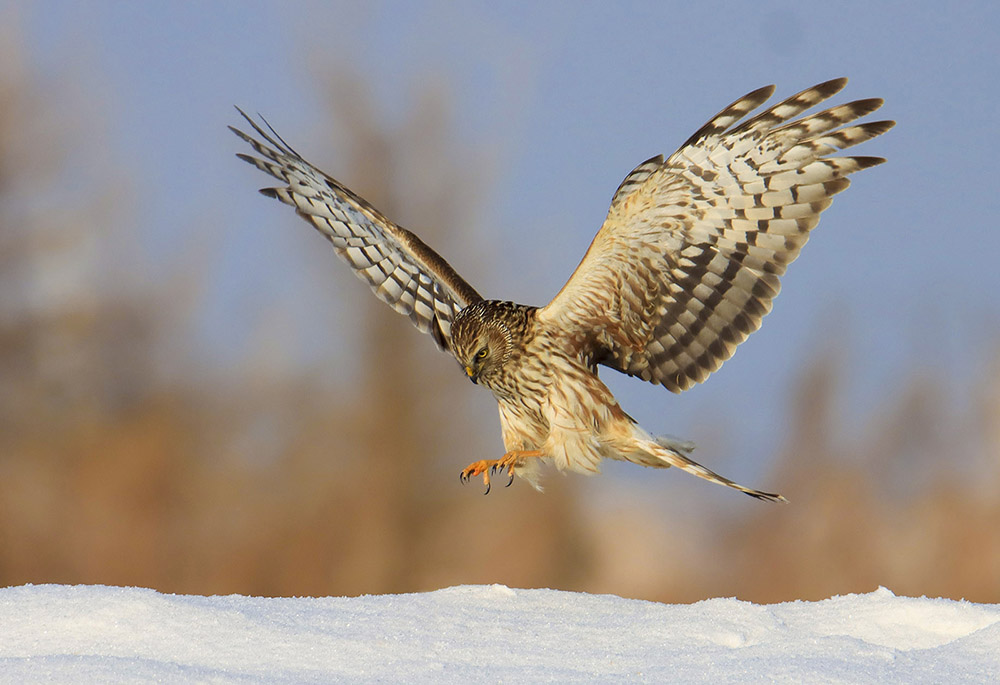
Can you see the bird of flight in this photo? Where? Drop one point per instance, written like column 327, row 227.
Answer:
column 683, row 269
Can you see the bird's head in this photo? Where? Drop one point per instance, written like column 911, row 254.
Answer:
column 482, row 342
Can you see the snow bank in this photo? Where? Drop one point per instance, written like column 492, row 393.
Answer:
column 87, row 634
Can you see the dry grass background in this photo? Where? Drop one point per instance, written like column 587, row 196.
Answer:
column 110, row 473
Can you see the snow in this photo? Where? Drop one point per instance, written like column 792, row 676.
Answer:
column 86, row 634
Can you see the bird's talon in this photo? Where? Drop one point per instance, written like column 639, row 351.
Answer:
column 489, row 467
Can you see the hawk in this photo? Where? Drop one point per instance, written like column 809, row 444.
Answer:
column 683, row 269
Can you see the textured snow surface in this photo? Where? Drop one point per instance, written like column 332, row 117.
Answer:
column 87, row 634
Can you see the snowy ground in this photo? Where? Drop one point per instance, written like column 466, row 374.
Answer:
column 88, row 634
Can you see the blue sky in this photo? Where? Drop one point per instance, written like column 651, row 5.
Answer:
column 564, row 99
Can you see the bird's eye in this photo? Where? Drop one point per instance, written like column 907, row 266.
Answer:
column 481, row 354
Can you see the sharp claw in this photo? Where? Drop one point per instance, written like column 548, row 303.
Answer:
column 466, row 474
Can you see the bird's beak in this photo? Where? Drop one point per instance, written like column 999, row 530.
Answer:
column 471, row 374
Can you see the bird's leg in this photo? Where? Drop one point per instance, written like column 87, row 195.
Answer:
column 512, row 459
column 485, row 467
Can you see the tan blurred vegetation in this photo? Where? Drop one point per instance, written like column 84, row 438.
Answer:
column 294, row 485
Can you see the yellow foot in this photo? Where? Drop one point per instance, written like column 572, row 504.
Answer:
column 483, row 467
column 486, row 467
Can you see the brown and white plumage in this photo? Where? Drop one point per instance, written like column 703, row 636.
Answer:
column 684, row 268
column 400, row 269
column 687, row 262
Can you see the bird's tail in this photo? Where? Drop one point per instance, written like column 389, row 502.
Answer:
column 665, row 451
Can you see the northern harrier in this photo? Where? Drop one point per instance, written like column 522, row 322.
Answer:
column 682, row 271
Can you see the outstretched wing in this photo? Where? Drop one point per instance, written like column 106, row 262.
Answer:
column 687, row 262
column 401, row 270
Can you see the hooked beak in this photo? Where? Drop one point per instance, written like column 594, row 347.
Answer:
column 471, row 374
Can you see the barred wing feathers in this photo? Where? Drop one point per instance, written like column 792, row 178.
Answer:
column 689, row 257
column 399, row 267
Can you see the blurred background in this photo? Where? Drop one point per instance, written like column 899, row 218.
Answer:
column 196, row 396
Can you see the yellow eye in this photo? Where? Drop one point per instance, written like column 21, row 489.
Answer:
column 481, row 354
